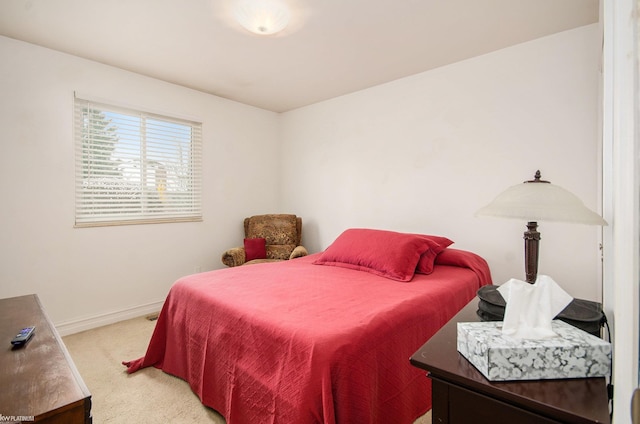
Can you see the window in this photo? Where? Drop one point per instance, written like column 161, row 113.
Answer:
column 134, row 167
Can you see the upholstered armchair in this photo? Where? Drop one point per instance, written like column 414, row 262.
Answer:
column 279, row 234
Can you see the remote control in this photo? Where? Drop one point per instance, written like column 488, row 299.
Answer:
column 23, row 336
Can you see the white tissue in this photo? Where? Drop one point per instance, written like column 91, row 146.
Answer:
column 531, row 307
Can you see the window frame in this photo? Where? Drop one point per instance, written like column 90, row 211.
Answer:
column 107, row 194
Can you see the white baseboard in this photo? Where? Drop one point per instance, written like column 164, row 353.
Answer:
column 76, row 326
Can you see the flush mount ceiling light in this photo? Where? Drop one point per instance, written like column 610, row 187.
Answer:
column 263, row 17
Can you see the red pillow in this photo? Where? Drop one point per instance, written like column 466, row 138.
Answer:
column 465, row 259
column 255, row 248
column 436, row 245
column 385, row 253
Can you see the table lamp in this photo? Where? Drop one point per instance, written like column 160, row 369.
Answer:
column 538, row 200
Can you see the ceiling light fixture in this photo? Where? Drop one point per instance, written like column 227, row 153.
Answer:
column 263, row 17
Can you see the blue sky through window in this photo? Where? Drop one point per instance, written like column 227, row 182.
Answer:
column 152, row 151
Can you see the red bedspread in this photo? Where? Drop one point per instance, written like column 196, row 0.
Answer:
column 297, row 343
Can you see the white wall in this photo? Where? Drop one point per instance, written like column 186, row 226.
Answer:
column 81, row 274
column 424, row 153
column 418, row 154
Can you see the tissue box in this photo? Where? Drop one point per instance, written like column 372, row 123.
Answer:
column 574, row 353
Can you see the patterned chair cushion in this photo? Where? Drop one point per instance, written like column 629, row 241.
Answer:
column 275, row 229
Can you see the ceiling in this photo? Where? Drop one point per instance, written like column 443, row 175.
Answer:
column 330, row 48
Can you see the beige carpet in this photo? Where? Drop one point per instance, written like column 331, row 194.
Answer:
column 148, row 396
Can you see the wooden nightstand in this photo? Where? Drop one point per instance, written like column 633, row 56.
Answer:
column 461, row 394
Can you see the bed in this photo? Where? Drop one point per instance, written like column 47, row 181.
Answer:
column 324, row 338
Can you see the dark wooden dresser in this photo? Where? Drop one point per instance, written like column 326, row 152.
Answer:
column 461, row 394
column 39, row 380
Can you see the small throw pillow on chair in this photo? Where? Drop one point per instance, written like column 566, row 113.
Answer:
column 255, row 248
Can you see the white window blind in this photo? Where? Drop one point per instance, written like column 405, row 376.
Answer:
column 134, row 167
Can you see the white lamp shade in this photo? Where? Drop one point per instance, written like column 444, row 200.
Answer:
column 262, row 17
column 540, row 201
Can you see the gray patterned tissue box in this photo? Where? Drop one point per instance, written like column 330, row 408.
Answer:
column 573, row 354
